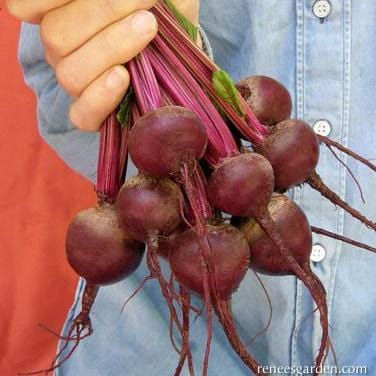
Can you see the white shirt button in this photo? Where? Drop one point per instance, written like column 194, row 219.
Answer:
column 322, row 8
column 322, row 127
column 318, row 253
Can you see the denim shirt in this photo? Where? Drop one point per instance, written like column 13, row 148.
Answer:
column 328, row 66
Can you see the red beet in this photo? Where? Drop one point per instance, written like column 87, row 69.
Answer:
column 162, row 140
column 150, row 209
column 242, row 185
column 231, row 258
column 293, row 150
column 98, row 249
column 292, row 225
column 149, row 206
column 216, row 263
column 101, row 252
column 269, row 100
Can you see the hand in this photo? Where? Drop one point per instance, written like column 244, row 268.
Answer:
column 87, row 42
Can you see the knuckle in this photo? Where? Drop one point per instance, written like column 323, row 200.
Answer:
column 18, row 10
column 22, row 10
column 147, row 4
column 110, row 8
column 51, row 37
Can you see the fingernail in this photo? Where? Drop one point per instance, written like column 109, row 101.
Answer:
column 116, row 78
column 144, row 23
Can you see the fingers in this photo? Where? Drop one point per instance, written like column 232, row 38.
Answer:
column 99, row 99
column 117, row 44
column 32, row 11
column 62, row 29
column 87, row 41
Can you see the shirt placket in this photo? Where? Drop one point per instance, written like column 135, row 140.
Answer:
column 322, row 100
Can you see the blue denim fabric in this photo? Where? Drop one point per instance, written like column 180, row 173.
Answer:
column 328, row 68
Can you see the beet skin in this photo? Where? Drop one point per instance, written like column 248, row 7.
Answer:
column 98, row 249
column 293, row 150
column 292, row 226
column 149, row 206
column 269, row 100
column 231, row 259
column 242, row 185
column 162, row 140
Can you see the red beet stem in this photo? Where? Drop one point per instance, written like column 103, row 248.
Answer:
column 202, row 69
column 109, row 160
column 342, row 238
column 144, row 84
column 313, row 284
column 316, row 183
column 194, row 184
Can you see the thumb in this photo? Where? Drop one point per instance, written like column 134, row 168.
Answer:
column 190, row 9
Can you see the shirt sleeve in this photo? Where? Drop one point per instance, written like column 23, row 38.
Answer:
column 77, row 148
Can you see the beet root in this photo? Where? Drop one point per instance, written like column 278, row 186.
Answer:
column 269, row 100
column 292, row 225
column 293, row 150
column 98, row 249
column 333, row 144
column 162, row 140
column 149, row 206
column 230, row 255
column 317, row 184
column 343, row 239
column 242, row 185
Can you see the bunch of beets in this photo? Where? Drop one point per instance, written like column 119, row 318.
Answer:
column 202, row 201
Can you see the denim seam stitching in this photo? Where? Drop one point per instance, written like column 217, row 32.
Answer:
column 297, row 191
column 345, row 125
